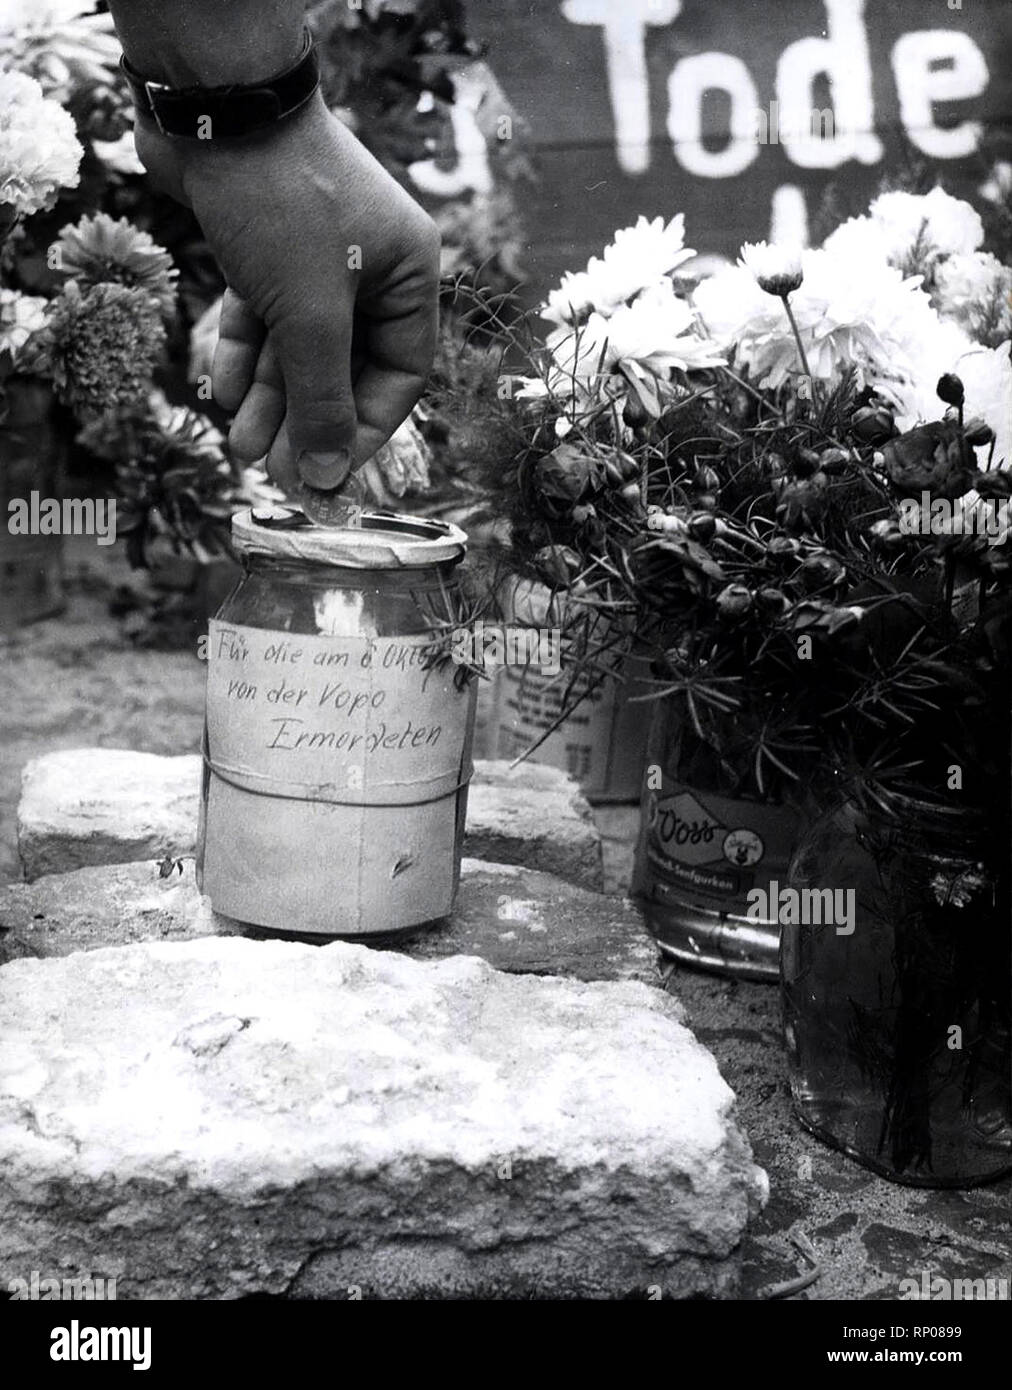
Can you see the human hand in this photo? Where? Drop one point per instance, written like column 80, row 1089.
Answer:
column 328, row 327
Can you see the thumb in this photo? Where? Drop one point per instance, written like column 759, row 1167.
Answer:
column 315, row 357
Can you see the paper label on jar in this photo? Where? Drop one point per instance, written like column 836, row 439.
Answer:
column 353, row 719
column 601, row 742
column 714, row 849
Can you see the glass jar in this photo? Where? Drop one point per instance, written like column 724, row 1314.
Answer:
column 32, row 456
column 592, row 728
column 338, row 733
column 897, row 1022
column 707, row 842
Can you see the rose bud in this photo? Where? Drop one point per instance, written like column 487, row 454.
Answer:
column 873, row 424
column 634, row 413
column 557, row 563
column 978, row 432
column 707, row 502
column 702, row 527
column 733, row 602
column 950, row 389
column 631, row 493
column 805, row 463
column 707, row 479
column 628, row 466
column 771, row 600
column 928, row 458
column 783, row 547
column 582, row 513
column 833, row 461
column 821, row 571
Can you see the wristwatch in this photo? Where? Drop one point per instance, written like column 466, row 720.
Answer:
column 230, row 112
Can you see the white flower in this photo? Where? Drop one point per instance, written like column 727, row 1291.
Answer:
column 656, row 333
column 986, row 374
column 998, row 187
column 638, row 257
column 974, row 289
column 119, row 155
column 39, row 149
column 912, row 232
column 847, row 313
column 256, row 490
column 777, row 269
column 21, row 315
column 61, row 43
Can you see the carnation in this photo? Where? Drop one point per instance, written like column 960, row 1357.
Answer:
column 39, row 149
column 21, row 315
column 64, row 44
column 638, row 257
column 911, row 232
column 100, row 346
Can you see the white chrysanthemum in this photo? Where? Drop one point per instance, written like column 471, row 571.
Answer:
column 975, row 290
column 21, row 315
column 61, row 43
column 655, row 334
column 912, row 232
column 777, row 268
column 39, row 149
column 847, row 313
column 637, row 258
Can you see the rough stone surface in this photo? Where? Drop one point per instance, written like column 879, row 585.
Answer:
column 534, row 816
column 105, row 806
column 868, row 1234
column 215, row 1118
column 86, row 806
column 110, row 905
column 518, row 920
column 521, row 920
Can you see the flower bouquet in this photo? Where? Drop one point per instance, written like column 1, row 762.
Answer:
column 788, row 481
column 86, row 308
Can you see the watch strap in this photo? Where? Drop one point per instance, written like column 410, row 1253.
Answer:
column 228, row 112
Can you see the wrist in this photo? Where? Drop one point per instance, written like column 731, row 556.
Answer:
column 209, row 43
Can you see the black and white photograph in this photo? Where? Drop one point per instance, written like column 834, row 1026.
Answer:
column 505, row 673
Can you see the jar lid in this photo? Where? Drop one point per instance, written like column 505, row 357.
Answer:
column 384, row 540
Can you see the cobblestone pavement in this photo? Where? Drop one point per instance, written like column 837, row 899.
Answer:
column 76, row 681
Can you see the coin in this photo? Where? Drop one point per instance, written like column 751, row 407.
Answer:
column 338, row 507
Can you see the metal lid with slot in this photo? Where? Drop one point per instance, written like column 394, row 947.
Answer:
column 383, row 540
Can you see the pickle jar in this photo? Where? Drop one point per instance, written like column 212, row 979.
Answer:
column 337, row 742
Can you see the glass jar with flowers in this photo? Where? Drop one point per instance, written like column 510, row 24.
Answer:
column 831, row 613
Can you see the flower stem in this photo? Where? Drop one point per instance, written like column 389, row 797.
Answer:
column 797, row 335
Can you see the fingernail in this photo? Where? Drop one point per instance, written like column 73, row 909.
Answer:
column 325, row 471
